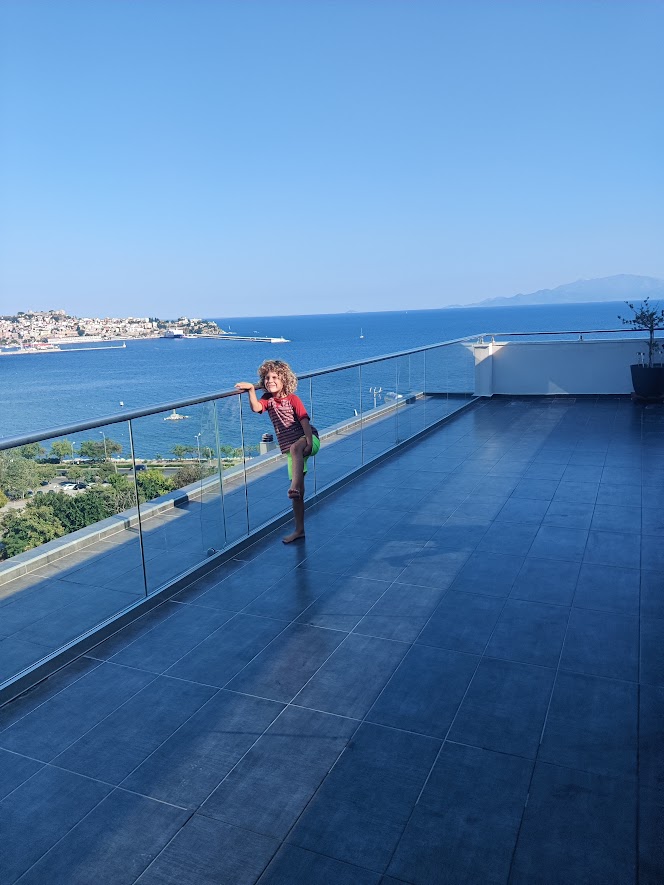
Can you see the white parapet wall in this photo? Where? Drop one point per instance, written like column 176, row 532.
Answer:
column 556, row 367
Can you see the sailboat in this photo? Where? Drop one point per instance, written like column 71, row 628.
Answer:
column 361, row 333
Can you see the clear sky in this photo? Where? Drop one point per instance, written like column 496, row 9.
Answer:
column 212, row 157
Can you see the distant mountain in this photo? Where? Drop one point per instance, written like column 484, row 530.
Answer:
column 622, row 287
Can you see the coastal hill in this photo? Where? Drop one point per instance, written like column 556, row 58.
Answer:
column 621, row 287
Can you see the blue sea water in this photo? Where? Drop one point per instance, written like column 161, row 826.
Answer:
column 40, row 391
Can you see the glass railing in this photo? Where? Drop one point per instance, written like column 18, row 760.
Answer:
column 99, row 516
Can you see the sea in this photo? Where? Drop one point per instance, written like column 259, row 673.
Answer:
column 53, row 389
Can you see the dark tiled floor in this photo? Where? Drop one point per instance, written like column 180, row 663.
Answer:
column 457, row 678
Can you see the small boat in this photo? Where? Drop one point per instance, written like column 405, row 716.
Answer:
column 361, row 334
column 175, row 416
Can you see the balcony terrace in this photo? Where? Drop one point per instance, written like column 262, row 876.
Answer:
column 457, row 677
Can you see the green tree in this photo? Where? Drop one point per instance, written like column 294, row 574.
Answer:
column 186, row 475
column 27, row 529
column 17, row 474
column 31, row 451
column 62, row 448
column 3, row 498
column 97, row 451
column 181, row 451
column 152, row 484
column 121, row 493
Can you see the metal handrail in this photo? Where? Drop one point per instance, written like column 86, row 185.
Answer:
column 130, row 415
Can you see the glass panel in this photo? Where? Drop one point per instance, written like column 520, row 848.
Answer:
column 379, row 421
column 260, row 502
column 335, row 411
column 178, row 487
column 410, row 395
column 70, row 545
column 231, row 424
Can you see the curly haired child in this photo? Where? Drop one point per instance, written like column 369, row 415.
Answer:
column 295, row 435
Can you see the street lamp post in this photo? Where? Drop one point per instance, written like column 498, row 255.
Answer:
column 198, row 444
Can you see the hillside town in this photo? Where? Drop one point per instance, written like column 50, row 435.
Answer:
column 30, row 327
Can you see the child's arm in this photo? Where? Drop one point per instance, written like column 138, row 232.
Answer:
column 251, row 390
column 306, row 426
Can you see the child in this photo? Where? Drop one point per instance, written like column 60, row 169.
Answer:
column 295, row 435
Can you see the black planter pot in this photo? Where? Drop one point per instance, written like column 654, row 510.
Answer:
column 648, row 382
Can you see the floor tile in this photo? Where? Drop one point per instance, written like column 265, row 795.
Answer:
column 652, row 553
column 360, row 811
column 465, row 825
column 529, row 632
column 602, row 644
column 608, row 588
column 434, row 567
column 508, row 538
column 281, row 670
column 46, row 807
column 652, row 651
column 504, row 708
column 343, row 605
column 491, row 574
column 651, row 740
column 127, row 831
column 554, row 542
column 616, row 518
column 652, row 598
column 543, row 580
column 569, row 514
column 352, row 677
column 458, row 533
column 65, row 717
column 462, row 622
column 579, row 825
column 577, row 492
column 613, row 548
column 216, row 660
column 293, row 864
column 171, row 640
column 188, row 766
column 15, row 770
column 651, row 844
column 592, row 725
column 206, row 852
column 113, row 748
column 425, row 692
column 401, row 612
column 293, row 593
column 270, row 787
column 536, row 488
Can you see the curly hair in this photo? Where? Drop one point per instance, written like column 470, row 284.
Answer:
column 283, row 370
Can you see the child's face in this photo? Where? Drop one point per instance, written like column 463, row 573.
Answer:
column 273, row 384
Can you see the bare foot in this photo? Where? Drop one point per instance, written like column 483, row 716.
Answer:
column 293, row 493
column 296, row 536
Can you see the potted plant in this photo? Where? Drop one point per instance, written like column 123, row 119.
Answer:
column 647, row 376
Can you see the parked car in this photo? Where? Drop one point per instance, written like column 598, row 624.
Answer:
column 140, row 467
column 81, row 485
column 44, row 482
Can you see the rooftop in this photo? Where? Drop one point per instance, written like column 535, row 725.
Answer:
column 458, row 677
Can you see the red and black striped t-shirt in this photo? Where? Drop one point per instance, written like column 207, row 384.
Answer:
column 286, row 414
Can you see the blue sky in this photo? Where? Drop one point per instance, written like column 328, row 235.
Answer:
column 212, row 157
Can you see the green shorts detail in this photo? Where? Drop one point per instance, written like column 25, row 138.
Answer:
column 315, row 446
